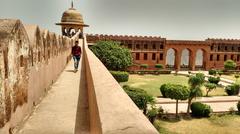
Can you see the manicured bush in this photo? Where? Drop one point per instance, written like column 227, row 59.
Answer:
column 212, row 72
column 232, row 89
column 238, row 106
column 229, row 65
column 220, row 72
column 158, row 66
column 140, row 97
column 214, row 80
column 153, row 72
column 144, row 66
column 120, row 76
column 200, row 110
column 177, row 92
column 163, row 89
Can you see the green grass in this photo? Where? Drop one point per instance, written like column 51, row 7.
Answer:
column 226, row 124
column 152, row 83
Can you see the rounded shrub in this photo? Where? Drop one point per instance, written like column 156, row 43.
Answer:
column 163, row 90
column 200, row 110
column 214, row 80
column 232, row 89
column 120, row 76
column 144, row 66
column 230, row 65
column 220, row 72
column 212, row 72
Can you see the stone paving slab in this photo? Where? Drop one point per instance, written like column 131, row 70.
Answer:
column 56, row 114
column 217, row 107
column 202, row 99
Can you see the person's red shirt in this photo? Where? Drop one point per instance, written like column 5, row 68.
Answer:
column 76, row 50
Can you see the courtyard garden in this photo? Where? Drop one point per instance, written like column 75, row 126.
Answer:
column 152, row 83
column 143, row 86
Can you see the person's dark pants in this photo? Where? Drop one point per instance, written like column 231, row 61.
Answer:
column 76, row 61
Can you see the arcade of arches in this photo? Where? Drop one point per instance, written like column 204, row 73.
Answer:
column 176, row 54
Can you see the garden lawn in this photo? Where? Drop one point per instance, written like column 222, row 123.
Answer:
column 152, row 83
column 226, row 124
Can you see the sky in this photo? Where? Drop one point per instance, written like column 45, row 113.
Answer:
column 171, row 19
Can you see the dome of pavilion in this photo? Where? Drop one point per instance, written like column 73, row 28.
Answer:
column 72, row 16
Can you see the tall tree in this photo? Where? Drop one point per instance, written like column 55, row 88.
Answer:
column 112, row 55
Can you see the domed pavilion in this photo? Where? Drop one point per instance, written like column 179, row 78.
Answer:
column 72, row 22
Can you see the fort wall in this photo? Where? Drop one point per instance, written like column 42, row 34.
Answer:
column 31, row 59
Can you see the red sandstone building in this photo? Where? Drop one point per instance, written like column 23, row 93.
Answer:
column 176, row 54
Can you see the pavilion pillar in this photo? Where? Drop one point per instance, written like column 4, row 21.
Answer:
column 178, row 60
column 192, row 60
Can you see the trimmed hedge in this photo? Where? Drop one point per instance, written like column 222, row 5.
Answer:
column 232, row 89
column 214, row 80
column 200, row 110
column 212, row 72
column 120, row 76
column 145, row 66
column 151, row 72
column 238, row 106
column 158, row 66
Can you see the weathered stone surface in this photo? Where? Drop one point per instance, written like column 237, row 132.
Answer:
column 31, row 59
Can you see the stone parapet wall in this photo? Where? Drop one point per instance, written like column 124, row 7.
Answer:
column 110, row 109
column 31, row 59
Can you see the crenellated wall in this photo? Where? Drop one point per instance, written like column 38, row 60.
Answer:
column 31, row 59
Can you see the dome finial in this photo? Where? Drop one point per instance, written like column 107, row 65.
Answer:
column 72, row 4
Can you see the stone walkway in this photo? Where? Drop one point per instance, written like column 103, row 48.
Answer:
column 56, row 114
column 223, row 81
column 218, row 104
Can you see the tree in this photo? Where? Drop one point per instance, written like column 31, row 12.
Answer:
column 229, row 65
column 112, row 55
column 210, row 87
column 195, row 82
column 140, row 97
column 177, row 92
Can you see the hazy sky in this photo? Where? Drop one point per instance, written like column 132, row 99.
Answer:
column 173, row 19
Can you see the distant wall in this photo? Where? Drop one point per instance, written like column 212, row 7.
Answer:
column 31, row 59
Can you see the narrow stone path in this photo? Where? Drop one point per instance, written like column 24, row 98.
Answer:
column 56, row 114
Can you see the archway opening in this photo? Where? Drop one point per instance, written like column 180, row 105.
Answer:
column 185, row 58
column 170, row 58
column 199, row 59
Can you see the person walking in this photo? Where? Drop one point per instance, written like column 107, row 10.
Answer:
column 76, row 54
